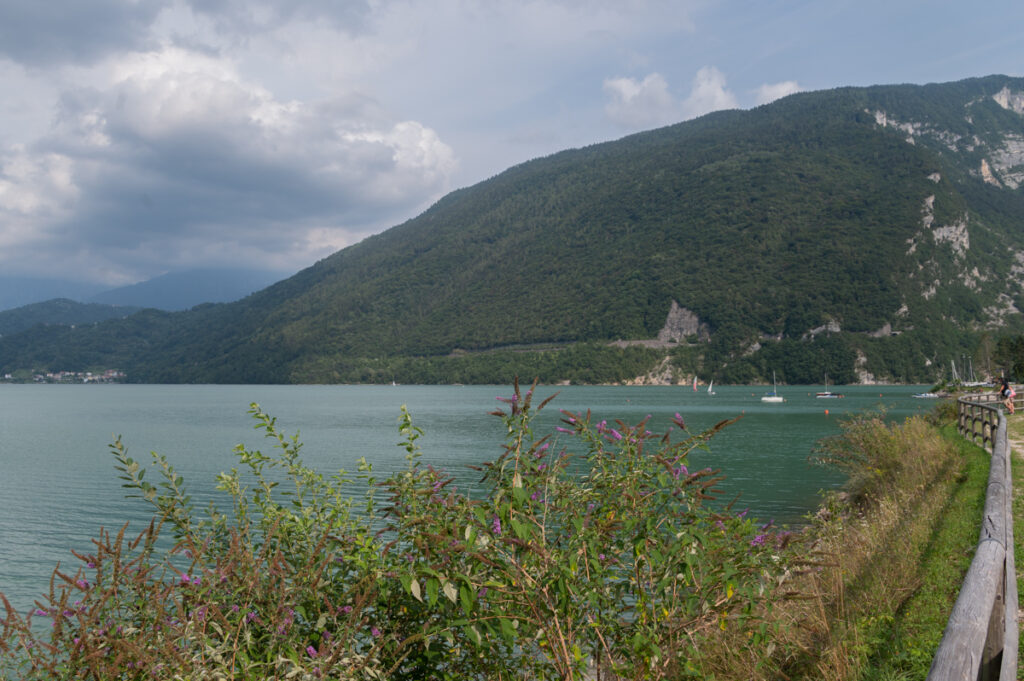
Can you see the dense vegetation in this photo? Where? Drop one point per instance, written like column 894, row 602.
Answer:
column 59, row 311
column 1009, row 355
column 771, row 225
column 550, row 574
column 587, row 551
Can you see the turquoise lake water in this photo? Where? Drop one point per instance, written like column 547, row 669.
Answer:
column 58, row 485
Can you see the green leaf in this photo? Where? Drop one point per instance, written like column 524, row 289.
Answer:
column 508, row 629
column 451, row 592
column 522, row 530
column 474, row 634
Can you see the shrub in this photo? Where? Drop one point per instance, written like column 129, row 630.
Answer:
column 604, row 562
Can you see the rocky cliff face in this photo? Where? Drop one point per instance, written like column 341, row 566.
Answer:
column 1002, row 158
column 681, row 323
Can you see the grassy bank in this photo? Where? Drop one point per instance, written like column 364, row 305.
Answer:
column 1015, row 432
column 884, row 560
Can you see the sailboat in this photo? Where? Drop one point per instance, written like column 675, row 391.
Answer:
column 711, row 387
column 774, row 395
column 827, row 394
column 694, row 384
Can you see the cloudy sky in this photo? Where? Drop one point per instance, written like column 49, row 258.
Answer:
column 139, row 137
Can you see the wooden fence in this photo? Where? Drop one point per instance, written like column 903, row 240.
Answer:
column 980, row 640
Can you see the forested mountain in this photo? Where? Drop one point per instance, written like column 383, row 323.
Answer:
column 860, row 231
column 59, row 311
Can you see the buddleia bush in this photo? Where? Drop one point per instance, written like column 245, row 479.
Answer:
column 591, row 553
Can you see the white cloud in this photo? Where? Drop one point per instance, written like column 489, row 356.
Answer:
column 648, row 103
column 640, row 104
column 769, row 92
column 177, row 157
column 709, row 94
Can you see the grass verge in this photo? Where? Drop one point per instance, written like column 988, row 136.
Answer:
column 1015, row 432
column 884, row 561
column 908, row 644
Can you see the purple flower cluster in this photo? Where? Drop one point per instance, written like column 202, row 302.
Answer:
column 186, row 579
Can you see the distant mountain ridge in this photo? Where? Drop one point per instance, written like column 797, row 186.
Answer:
column 183, row 289
column 177, row 290
column 59, row 311
column 19, row 291
column 871, row 233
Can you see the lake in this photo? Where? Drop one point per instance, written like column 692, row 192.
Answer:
column 58, row 485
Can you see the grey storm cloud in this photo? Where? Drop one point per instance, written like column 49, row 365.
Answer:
column 181, row 157
column 48, row 32
column 246, row 16
column 54, row 31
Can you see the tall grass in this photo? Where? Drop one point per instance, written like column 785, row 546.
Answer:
column 865, row 604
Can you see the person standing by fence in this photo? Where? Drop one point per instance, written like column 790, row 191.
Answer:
column 1008, row 394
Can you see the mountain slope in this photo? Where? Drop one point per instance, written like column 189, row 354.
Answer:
column 59, row 312
column 803, row 233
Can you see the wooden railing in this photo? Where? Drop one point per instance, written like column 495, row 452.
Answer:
column 978, row 418
column 980, row 640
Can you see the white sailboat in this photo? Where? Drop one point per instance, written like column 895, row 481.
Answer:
column 828, row 394
column 711, row 387
column 774, row 395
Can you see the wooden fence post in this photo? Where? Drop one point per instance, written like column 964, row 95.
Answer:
column 980, row 639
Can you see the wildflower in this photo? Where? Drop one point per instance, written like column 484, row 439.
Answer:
column 235, row 608
column 615, row 434
column 560, row 429
column 250, row 616
column 758, row 540
column 496, row 525
column 40, row 611
column 375, row 632
column 82, row 584
column 311, row 651
column 680, row 471
column 91, row 565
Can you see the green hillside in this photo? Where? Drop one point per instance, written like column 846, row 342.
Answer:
column 856, row 231
column 59, row 311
